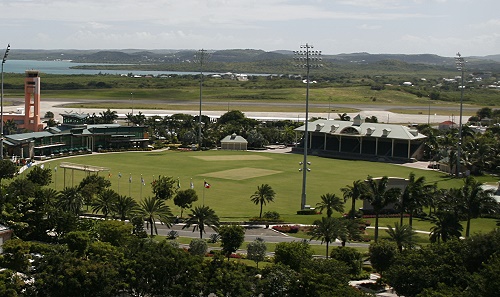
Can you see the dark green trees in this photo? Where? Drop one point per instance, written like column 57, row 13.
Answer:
column 263, row 195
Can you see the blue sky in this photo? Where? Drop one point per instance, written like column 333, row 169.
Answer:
column 441, row 27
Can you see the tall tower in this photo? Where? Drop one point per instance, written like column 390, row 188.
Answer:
column 32, row 101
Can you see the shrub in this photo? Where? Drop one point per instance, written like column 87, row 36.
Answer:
column 214, row 238
column 287, row 228
column 172, row 234
column 306, row 212
column 272, row 215
column 198, row 247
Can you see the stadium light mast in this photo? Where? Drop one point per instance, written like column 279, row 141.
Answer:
column 306, row 58
column 201, row 58
column 460, row 63
column 1, row 103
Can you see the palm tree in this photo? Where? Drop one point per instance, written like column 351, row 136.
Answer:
column 401, row 234
column 331, row 202
column 124, row 207
column 153, row 209
column 446, row 226
column 263, row 195
column 328, row 230
column 70, row 200
column 105, row 202
column 379, row 195
column 353, row 231
column 413, row 197
column 354, row 193
column 475, row 200
column 200, row 217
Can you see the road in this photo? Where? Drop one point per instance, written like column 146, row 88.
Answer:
column 367, row 110
column 251, row 233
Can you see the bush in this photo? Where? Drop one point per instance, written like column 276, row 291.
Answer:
column 272, row 215
column 214, row 238
column 172, row 234
column 306, row 212
column 287, row 228
column 198, row 247
column 350, row 256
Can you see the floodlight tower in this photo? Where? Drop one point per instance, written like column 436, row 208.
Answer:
column 201, row 58
column 460, row 62
column 306, row 58
column 1, row 103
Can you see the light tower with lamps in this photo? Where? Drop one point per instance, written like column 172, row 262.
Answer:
column 200, row 58
column 460, row 62
column 306, row 58
column 1, row 103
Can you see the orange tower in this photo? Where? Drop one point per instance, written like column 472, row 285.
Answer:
column 32, row 101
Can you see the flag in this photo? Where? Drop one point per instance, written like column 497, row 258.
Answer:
column 42, row 166
column 55, row 169
column 142, row 181
column 130, row 178
column 178, row 183
column 206, row 185
column 109, row 175
column 119, row 175
column 192, row 185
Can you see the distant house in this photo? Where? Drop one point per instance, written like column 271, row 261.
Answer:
column 5, row 234
column 447, row 125
column 234, row 142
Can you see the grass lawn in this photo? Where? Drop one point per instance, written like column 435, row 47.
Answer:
column 234, row 177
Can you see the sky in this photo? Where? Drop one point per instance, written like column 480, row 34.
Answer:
column 442, row 27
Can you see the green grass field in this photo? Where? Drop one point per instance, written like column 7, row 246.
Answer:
column 234, row 177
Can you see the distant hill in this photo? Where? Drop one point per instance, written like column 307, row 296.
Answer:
column 253, row 56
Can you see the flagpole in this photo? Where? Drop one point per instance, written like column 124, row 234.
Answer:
column 119, row 177
column 142, row 182
column 129, row 184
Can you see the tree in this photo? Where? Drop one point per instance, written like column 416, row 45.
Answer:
column 7, row 169
column 200, row 217
column 330, row 202
column 108, row 116
column 475, row 200
column 49, row 115
column 379, row 196
column 402, row 235
column 354, row 192
column 91, row 185
column 295, row 254
column 198, row 247
column 124, row 207
column 164, row 187
column 231, row 237
column 256, row 251
column 40, row 176
column 70, row 200
column 185, row 198
column 77, row 241
column 153, row 209
column 263, row 195
column 382, row 254
column 413, row 197
column 350, row 256
column 105, row 202
column 446, row 226
column 328, row 230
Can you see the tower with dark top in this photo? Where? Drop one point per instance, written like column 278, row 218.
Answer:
column 32, row 101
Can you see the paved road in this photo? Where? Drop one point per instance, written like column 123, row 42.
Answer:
column 251, row 233
column 367, row 110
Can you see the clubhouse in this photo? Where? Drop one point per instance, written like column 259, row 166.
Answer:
column 359, row 140
column 73, row 136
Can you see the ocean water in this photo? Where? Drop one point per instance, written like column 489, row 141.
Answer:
column 63, row 67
